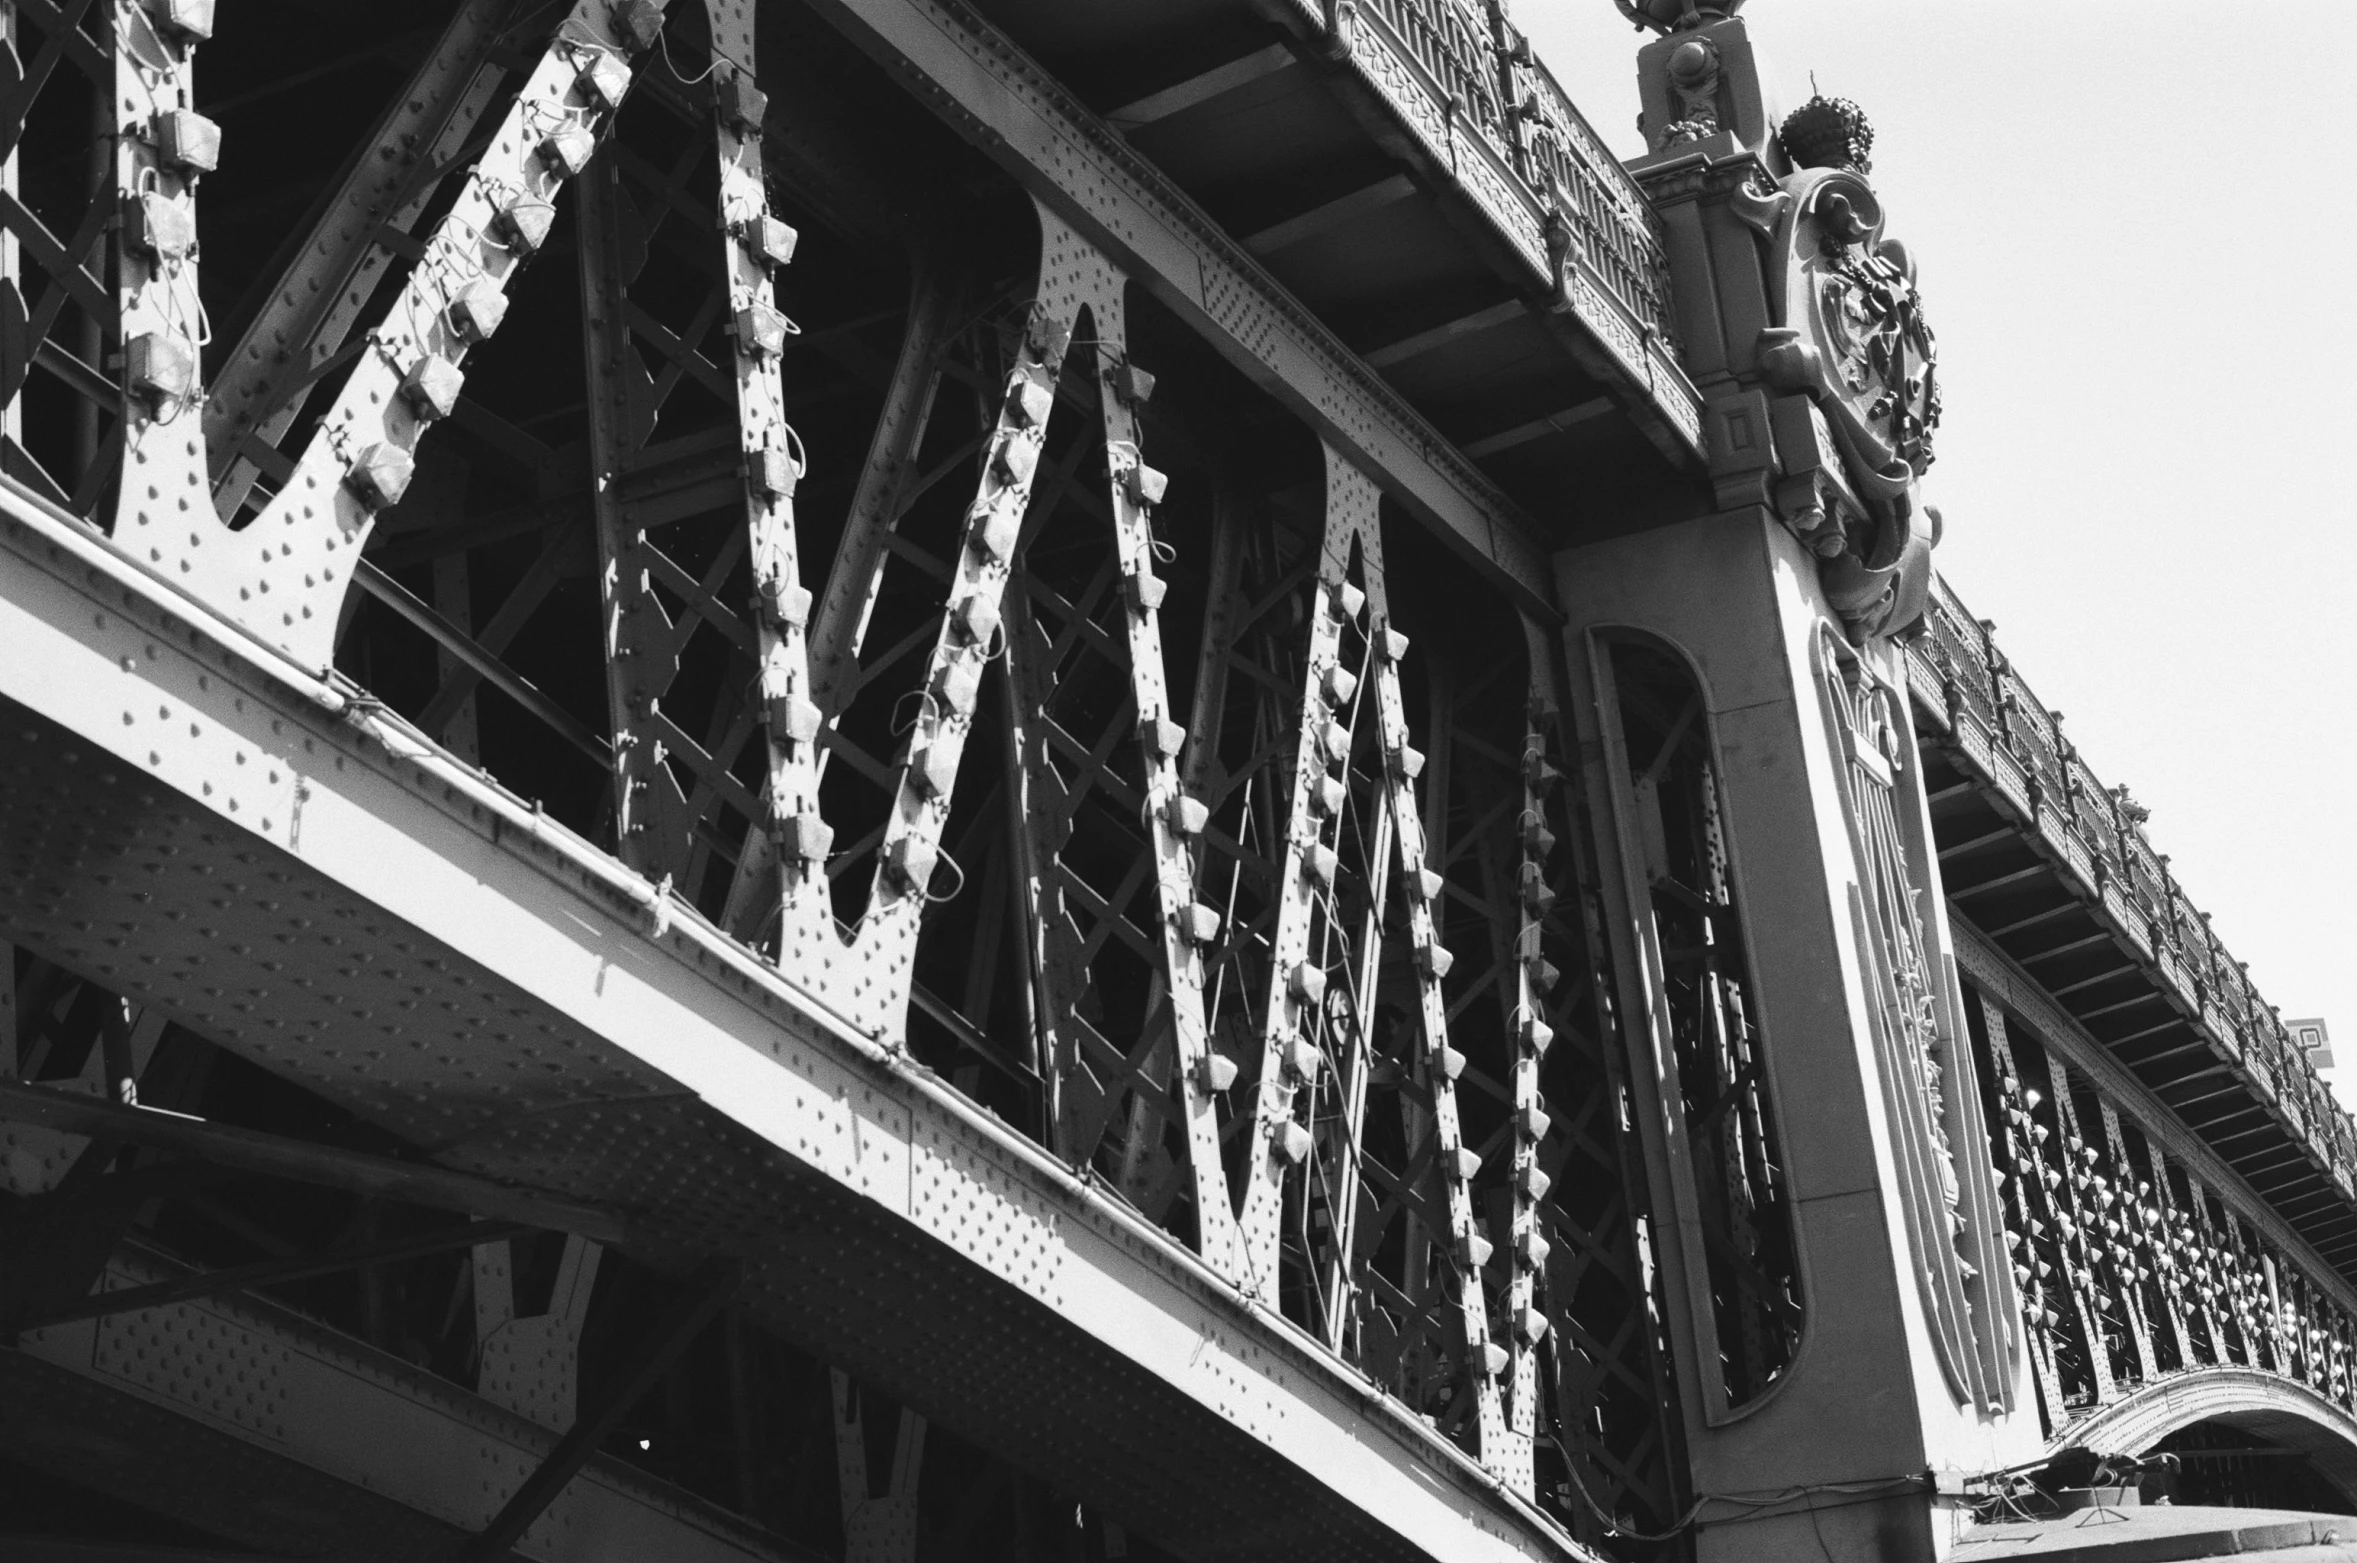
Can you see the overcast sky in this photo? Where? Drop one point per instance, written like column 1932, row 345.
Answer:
column 2135, row 243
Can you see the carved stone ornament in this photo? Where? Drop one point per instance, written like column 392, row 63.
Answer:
column 1849, row 334
column 1944, row 1184
column 1670, row 15
column 1694, row 78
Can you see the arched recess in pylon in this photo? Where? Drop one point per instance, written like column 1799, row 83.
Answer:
column 2282, row 1411
column 1727, row 1174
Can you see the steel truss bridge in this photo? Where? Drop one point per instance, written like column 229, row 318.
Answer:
column 797, row 780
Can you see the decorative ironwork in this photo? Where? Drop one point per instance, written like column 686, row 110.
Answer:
column 1848, row 332
column 1283, row 935
column 1605, row 218
column 1976, row 703
column 1932, row 1099
column 2137, row 1264
column 1462, row 63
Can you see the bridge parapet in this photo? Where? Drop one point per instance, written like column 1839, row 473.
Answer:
column 1464, row 81
column 1462, row 76
column 2056, row 868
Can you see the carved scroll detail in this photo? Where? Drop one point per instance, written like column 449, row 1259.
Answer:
column 1946, row 1189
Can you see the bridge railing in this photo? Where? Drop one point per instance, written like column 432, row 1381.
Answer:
column 1464, row 82
column 1613, row 227
column 2095, row 835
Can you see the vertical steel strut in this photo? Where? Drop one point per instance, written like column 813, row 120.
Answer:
column 162, row 319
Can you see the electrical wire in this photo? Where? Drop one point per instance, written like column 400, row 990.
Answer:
column 1754, row 1504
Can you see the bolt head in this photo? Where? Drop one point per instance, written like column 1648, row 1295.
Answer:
column 381, row 476
column 431, row 388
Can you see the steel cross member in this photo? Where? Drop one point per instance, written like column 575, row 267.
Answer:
column 1035, row 129
column 301, row 329
column 285, row 576
column 1296, row 1008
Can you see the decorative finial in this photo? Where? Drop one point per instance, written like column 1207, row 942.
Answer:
column 1828, row 133
column 1667, row 16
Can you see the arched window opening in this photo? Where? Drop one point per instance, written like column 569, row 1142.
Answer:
column 1674, row 831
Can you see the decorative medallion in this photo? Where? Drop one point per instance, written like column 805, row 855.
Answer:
column 1850, row 335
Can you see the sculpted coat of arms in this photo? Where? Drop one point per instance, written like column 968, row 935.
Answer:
column 1849, row 333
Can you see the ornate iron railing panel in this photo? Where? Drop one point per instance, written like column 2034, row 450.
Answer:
column 1466, row 85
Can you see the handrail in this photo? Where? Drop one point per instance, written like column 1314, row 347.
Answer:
column 1464, row 80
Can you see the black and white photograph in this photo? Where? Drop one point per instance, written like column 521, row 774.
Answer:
column 1176, row 781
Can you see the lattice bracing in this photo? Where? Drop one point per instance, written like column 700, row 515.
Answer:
column 897, row 626
column 98, row 245
column 2135, row 1264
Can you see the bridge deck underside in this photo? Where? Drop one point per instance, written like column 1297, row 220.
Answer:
column 107, row 1440
column 167, row 837
column 1257, row 115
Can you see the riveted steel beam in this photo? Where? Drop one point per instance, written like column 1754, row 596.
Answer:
column 286, row 574
column 267, row 1429
column 654, row 1351
column 1070, row 161
column 327, row 1165
column 528, row 1003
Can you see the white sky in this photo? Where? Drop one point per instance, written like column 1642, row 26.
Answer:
column 2135, row 242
